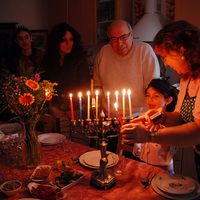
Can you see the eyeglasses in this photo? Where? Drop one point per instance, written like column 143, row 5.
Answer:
column 122, row 38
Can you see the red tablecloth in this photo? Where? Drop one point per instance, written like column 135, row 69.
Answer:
column 128, row 186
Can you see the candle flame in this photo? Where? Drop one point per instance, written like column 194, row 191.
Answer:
column 70, row 95
column 96, row 92
column 116, row 93
column 80, row 94
column 124, row 92
column 108, row 93
column 129, row 92
column 88, row 93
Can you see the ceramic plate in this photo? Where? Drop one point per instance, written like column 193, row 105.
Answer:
column 51, row 138
column 176, row 184
column 92, row 159
column 190, row 196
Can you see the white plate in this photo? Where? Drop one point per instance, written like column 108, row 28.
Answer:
column 44, row 170
column 51, row 138
column 92, row 159
column 176, row 184
column 190, row 196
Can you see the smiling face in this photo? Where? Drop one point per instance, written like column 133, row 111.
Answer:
column 66, row 44
column 155, row 99
column 121, row 38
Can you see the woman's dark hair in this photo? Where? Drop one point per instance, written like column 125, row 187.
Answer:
column 55, row 37
column 165, row 88
column 181, row 34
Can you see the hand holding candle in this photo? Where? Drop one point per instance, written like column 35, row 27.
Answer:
column 118, row 115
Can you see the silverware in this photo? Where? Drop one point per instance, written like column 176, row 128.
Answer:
column 146, row 181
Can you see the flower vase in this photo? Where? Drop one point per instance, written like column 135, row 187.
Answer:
column 32, row 147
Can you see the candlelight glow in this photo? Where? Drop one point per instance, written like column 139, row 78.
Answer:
column 116, row 106
column 80, row 94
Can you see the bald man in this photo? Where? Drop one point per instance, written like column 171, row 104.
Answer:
column 124, row 64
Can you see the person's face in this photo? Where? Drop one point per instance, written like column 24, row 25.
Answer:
column 175, row 60
column 67, row 43
column 155, row 99
column 121, row 39
column 24, row 40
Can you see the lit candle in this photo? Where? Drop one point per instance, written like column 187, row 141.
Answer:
column 108, row 102
column 129, row 103
column 116, row 97
column 123, row 103
column 118, row 115
column 88, row 105
column 80, row 104
column 71, row 106
column 97, row 93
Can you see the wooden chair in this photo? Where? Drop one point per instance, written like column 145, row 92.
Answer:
column 121, row 146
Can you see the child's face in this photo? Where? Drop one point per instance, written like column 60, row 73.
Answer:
column 155, row 99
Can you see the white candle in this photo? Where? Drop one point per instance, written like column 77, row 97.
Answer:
column 97, row 104
column 116, row 97
column 80, row 104
column 108, row 102
column 88, row 105
column 129, row 103
column 123, row 103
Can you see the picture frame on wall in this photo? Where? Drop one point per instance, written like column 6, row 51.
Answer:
column 39, row 38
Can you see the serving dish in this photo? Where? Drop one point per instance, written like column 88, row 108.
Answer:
column 11, row 187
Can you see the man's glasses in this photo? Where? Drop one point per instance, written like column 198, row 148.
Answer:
column 122, row 38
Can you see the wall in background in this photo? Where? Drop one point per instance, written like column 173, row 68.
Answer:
column 188, row 10
column 31, row 13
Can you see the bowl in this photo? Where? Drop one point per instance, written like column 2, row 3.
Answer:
column 10, row 188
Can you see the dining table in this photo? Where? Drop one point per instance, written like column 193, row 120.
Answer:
column 128, row 185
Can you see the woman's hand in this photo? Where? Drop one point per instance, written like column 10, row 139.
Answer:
column 135, row 132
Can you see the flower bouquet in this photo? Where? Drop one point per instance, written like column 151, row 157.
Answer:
column 26, row 97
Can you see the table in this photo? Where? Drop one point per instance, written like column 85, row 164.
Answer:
column 128, row 186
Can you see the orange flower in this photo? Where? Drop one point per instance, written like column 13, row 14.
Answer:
column 32, row 84
column 27, row 99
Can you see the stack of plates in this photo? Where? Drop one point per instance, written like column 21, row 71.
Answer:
column 91, row 159
column 51, row 138
column 176, row 187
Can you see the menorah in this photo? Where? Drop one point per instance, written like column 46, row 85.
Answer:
column 101, row 129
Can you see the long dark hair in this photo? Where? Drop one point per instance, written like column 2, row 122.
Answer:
column 164, row 87
column 56, row 36
column 181, row 34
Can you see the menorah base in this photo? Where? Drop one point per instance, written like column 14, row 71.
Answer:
column 102, row 183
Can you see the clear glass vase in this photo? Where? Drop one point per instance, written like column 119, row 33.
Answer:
column 32, row 147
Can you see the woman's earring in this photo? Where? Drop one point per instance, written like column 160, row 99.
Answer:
column 182, row 57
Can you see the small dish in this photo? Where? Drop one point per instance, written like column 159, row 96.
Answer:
column 42, row 191
column 67, row 179
column 41, row 173
column 10, row 188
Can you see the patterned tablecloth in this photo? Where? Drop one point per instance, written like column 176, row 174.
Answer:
column 128, row 186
